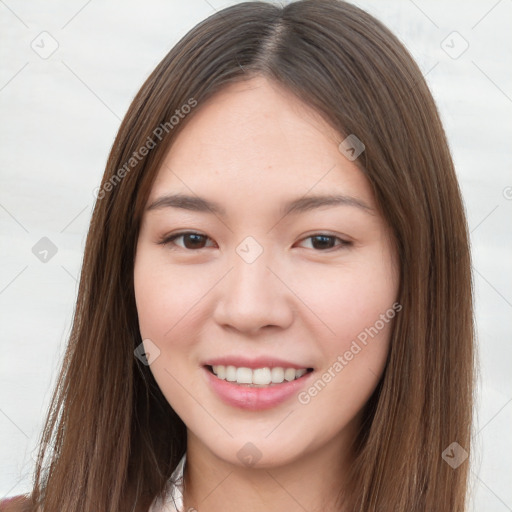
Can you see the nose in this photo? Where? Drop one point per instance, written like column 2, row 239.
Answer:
column 254, row 296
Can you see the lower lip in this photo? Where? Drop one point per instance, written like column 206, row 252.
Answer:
column 255, row 399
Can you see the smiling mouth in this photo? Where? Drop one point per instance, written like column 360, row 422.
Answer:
column 257, row 377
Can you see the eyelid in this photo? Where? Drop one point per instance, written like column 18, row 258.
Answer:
column 343, row 241
column 168, row 239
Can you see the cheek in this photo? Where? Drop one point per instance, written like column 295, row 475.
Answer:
column 165, row 296
column 348, row 300
column 165, row 299
column 358, row 305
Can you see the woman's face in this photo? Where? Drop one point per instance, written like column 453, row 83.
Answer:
column 242, row 269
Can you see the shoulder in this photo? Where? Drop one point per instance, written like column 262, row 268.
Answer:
column 20, row 503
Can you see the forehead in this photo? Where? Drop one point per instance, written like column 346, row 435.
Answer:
column 258, row 139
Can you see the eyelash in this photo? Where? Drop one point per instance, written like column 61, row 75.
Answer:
column 165, row 240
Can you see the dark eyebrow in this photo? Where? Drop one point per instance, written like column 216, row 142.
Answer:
column 194, row 203
column 306, row 203
column 300, row 205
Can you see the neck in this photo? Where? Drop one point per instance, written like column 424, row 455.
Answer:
column 312, row 481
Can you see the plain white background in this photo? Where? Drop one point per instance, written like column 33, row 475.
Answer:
column 59, row 115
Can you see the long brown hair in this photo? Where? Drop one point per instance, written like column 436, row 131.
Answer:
column 115, row 438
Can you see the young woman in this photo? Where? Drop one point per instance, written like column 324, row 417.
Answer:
column 275, row 307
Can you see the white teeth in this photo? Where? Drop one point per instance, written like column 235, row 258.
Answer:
column 230, row 373
column 244, row 375
column 289, row 374
column 277, row 375
column 261, row 376
column 258, row 376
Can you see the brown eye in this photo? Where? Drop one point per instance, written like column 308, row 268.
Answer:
column 323, row 242
column 191, row 240
column 194, row 241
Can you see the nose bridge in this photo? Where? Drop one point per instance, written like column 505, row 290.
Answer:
column 251, row 261
column 252, row 278
column 252, row 296
column 251, row 281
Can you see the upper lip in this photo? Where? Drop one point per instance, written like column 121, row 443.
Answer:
column 256, row 362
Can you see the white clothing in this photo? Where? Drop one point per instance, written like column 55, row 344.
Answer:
column 173, row 498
